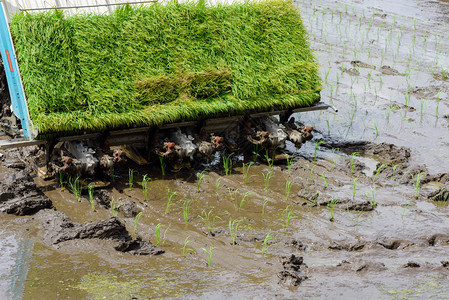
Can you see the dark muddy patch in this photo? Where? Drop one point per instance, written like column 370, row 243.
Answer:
column 359, row 265
column 411, row 264
column 438, row 239
column 361, row 64
column 103, row 198
column 128, row 208
column 296, row 244
column 389, row 153
column 357, row 246
column 59, row 228
column 393, row 244
column 293, row 270
column 356, row 167
column 20, row 196
column 440, row 195
column 25, row 206
column 387, row 70
column 426, row 92
column 138, row 247
column 440, row 178
column 317, row 196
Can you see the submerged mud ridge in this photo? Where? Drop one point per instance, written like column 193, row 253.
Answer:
column 59, row 228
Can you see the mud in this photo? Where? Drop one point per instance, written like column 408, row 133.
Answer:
column 361, row 265
column 59, row 228
column 293, row 270
column 138, row 247
column 366, row 214
column 19, row 194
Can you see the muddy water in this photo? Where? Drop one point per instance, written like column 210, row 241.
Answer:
column 383, row 66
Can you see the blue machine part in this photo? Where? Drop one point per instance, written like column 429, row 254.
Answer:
column 18, row 100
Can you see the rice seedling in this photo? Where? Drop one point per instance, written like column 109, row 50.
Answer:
column 417, row 183
column 422, row 108
column 163, row 165
column 145, row 180
column 331, row 207
column 286, row 215
column 245, row 171
column 353, row 188
column 266, row 178
column 352, row 161
column 263, row 207
column 227, row 164
column 265, row 244
column 243, row 200
column 407, row 99
column 114, row 207
column 233, row 195
column 317, row 144
column 326, row 75
column 371, row 197
column 209, row 254
column 403, row 175
column 406, row 204
column 378, row 171
column 61, row 180
column 217, row 186
column 323, row 176
column 199, row 178
column 335, row 152
column 438, row 104
column 444, row 73
column 310, row 171
column 171, row 195
column 377, row 130
column 130, row 178
column 233, row 228
column 288, row 187
column 394, row 173
column 186, row 209
column 314, row 199
column 157, row 233
column 208, row 221
column 290, row 161
column 270, row 161
column 136, row 220
column 186, row 250
column 75, row 187
column 359, row 215
column 90, row 191
column 256, row 150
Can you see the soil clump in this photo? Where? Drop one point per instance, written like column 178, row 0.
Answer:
column 138, row 247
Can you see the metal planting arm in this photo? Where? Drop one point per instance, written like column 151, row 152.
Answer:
column 18, row 100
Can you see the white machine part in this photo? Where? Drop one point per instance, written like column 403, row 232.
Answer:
column 84, row 155
column 71, row 7
column 185, row 142
column 276, row 130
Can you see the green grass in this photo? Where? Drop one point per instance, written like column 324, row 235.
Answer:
column 163, row 63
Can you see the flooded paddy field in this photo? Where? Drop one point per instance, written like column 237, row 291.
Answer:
column 362, row 210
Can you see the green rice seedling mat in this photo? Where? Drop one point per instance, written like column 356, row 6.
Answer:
column 158, row 64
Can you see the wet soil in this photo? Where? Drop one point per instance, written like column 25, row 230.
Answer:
column 364, row 214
